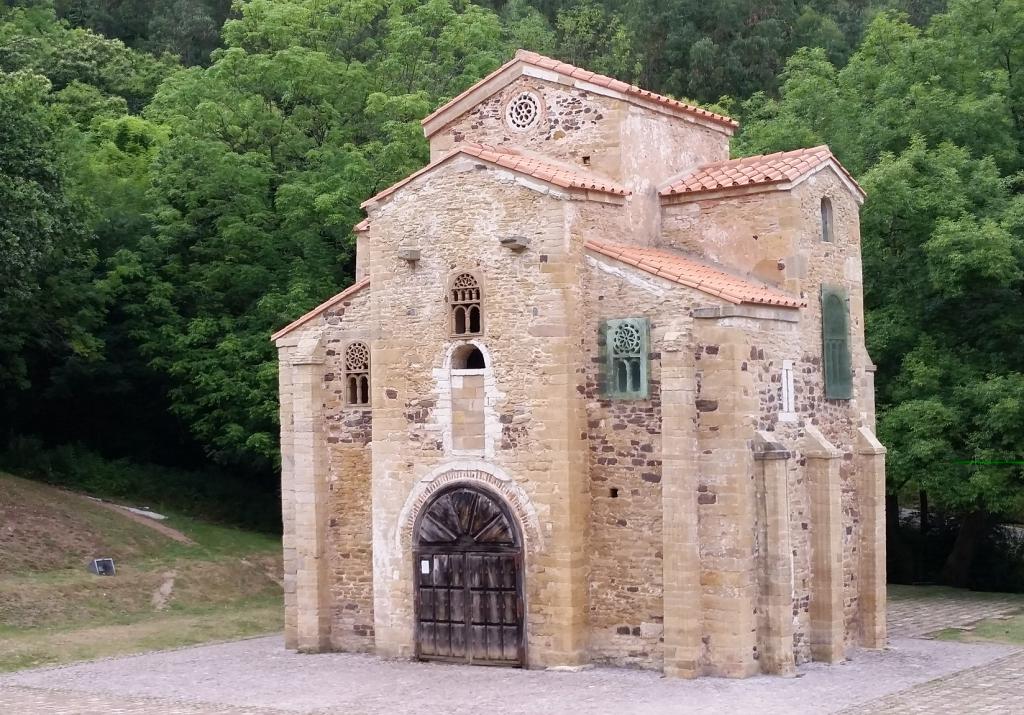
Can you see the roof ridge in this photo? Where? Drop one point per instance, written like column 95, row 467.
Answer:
column 584, row 75
column 329, row 303
column 541, row 158
column 755, row 170
column 564, row 176
column 696, row 273
column 536, row 58
column 786, row 152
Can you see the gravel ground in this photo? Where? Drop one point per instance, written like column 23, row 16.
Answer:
column 259, row 673
column 992, row 688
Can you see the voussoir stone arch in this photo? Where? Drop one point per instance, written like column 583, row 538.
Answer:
column 485, row 477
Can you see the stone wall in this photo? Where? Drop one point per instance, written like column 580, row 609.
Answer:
column 625, row 443
column 637, row 146
column 531, row 338
column 835, row 263
column 573, row 124
column 349, row 430
column 468, row 412
column 752, row 234
column 775, row 236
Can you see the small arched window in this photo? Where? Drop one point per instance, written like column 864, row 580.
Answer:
column 826, row 219
column 357, row 374
column 468, row 357
column 466, row 309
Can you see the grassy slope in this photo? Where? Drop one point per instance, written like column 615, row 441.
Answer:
column 52, row 610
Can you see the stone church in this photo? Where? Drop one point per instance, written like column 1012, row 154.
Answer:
column 599, row 394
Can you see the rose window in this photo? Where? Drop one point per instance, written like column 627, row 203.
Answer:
column 523, row 111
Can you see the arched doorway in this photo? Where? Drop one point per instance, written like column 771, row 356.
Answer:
column 469, row 574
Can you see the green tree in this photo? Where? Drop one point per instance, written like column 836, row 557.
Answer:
column 189, row 29
column 45, row 251
column 929, row 121
column 32, row 39
column 311, row 107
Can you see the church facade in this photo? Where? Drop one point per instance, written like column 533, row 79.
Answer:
column 599, row 394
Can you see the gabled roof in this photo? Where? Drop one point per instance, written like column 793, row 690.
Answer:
column 555, row 174
column 326, row 305
column 781, row 170
column 694, row 274
column 572, row 76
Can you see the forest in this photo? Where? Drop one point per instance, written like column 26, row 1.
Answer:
column 179, row 179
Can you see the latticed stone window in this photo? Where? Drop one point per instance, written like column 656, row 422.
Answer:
column 835, row 333
column 465, row 304
column 523, row 112
column 357, row 374
column 626, row 349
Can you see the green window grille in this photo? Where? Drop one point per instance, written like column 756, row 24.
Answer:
column 835, row 332
column 626, row 345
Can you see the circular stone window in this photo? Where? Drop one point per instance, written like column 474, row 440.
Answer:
column 523, row 111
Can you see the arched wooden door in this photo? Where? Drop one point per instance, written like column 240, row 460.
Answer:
column 469, row 576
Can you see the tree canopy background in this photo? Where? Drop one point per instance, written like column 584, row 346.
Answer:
column 181, row 178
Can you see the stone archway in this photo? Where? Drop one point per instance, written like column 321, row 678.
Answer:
column 473, row 472
column 468, row 563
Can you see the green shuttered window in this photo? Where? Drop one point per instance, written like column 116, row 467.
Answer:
column 626, row 349
column 835, row 331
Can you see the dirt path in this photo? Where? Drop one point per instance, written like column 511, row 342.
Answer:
column 153, row 524
column 163, row 593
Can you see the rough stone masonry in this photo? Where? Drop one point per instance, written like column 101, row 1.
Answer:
column 599, row 394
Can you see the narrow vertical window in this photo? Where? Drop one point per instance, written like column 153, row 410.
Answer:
column 357, row 374
column 788, row 410
column 465, row 305
column 835, row 332
column 626, row 358
column 826, row 219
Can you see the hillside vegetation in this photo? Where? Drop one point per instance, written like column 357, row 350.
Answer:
column 180, row 179
column 165, row 594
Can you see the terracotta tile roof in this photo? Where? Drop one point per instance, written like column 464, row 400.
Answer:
column 764, row 169
column 568, row 70
column 694, row 274
column 362, row 226
column 508, row 158
column 327, row 304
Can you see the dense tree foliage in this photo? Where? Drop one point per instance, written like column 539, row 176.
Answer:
column 930, row 119
column 188, row 29
column 44, row 244
column 181, row 178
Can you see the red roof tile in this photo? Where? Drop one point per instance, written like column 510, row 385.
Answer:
column 327, row 304
column 564, row 68
column 694, row 274
column 508, row 158
column 362, row 226
column 765, row 169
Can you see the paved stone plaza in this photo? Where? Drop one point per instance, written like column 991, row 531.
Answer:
column 259, row 677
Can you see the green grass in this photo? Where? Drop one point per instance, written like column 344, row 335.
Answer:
column 52, row 610
column 900, row 592
column 54, row 645
column 991, row 630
